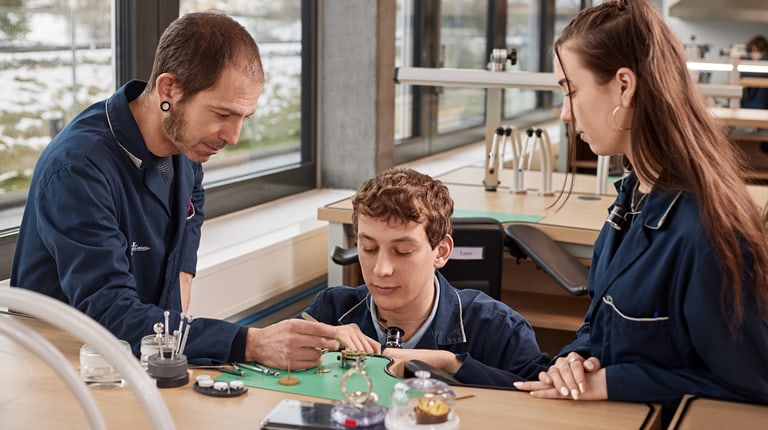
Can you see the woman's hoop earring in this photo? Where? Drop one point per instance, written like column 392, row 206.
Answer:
column 165, row 106
column 616, row 109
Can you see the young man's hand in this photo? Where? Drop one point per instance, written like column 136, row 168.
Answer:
column 445, row 360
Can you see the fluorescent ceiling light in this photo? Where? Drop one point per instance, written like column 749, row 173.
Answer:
column 693, row 65
column 752, row 68
column 726, row 67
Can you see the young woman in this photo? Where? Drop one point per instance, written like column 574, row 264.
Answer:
column 679, row 276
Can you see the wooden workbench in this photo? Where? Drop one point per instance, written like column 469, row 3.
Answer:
column 33, row 397
column 700, row 413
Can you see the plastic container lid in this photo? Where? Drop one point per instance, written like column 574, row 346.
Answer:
column 422, row 403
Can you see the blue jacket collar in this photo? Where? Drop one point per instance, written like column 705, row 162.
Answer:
column 657, row 206
column 122, row 124
column 449, row 317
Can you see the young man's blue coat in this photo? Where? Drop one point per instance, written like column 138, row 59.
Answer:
column 496, row 344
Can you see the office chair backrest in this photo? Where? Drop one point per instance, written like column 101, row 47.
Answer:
column 477, row 256
column 528, row 241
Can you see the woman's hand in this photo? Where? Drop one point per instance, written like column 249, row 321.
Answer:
column 570, row 377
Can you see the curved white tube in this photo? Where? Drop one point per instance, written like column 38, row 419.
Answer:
column 40, row 346
column 492, row 161
column 603, row 165
column 86, row 329
column 546, row 163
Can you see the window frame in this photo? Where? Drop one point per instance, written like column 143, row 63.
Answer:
column 137, row 26
column 425, row 139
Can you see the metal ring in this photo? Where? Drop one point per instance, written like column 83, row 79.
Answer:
column 356, row 397
column 573, row 360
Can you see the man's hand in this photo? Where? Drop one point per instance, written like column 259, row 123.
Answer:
column 185, row 285
column 292, row 342
column 445, row 360
column 354, row 339
column 570, row 377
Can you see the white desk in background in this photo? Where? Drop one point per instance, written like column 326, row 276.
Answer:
column 528, row 290
column 737, row 117
column 749, row 131
column 578, row 222
column 536, row 296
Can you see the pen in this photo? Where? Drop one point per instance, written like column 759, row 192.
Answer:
column 259, row 369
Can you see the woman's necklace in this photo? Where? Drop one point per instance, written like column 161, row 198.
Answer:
column 636, row 200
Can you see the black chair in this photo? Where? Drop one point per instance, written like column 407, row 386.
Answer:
column 477, row 255
column 528, row 241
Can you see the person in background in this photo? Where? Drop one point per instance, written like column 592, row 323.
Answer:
column 755, row 97
column 114, row 211
column 679, row 278
column 402, row 220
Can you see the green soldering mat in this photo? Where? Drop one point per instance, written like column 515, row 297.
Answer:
column 325, row 385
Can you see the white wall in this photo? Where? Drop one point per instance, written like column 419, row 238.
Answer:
column 720, row 35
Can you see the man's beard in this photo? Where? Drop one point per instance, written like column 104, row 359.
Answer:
column 173, row 125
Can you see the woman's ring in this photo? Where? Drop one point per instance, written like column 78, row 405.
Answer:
column 573, row 360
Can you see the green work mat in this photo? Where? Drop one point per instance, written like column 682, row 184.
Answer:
column 500, row 216
column 325, row 385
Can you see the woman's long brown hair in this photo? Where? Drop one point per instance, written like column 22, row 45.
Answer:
column 676, row 143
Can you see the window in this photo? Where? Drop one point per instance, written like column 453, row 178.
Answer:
column 405, row 34
column 55, row 59
column 439, row 33
column 275, row 156
column 521, row 37
column 565, row 10
column 58, row 56
column 463, row 40
column 271, row 139
column 461, row 34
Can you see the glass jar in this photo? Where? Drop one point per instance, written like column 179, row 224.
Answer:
column 422, row 403
column 96, row 371
column 150, row 346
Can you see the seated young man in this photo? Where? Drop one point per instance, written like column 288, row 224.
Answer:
column 402, row 219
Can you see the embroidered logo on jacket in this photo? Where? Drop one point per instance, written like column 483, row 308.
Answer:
column 135, row 247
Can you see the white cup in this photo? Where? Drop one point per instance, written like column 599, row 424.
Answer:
column 96, row 371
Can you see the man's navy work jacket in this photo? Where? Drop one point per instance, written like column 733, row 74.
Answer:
column 101, row 232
